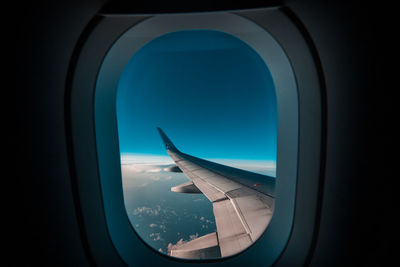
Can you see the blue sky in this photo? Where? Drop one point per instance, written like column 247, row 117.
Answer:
column 209, row 91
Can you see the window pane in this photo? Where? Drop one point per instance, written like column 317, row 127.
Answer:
column 214, row 97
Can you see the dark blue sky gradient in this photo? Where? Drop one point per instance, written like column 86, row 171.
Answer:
column 210, row 92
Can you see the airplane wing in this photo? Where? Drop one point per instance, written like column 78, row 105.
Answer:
column 243, row 204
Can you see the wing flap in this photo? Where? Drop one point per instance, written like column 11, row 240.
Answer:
column 253, row 208
column 232, row 235
column 204, row 247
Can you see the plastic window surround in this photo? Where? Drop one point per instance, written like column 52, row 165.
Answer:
column 125, row 240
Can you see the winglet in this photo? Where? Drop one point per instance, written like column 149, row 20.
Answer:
column 167, row 142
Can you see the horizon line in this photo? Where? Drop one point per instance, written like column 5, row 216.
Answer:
column 124, row 155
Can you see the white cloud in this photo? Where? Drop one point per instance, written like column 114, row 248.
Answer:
column 148, row 211
column 131, row 164
column 129, row 158
column 154, row 170
column 141, row 168
column 193, row 236
column 155, row 236
column 145, row 210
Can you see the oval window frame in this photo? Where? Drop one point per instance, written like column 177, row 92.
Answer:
column 286, row 91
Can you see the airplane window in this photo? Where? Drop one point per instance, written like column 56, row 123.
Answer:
column 197, row 128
